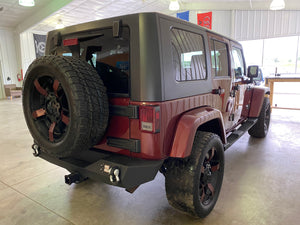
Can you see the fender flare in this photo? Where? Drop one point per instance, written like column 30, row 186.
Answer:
column 257, row 100
column 187, row 127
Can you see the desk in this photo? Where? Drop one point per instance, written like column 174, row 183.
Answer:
column 270, row 83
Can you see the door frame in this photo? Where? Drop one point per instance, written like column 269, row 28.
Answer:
column 224, row 83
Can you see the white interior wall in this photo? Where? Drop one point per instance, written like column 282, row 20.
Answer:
column 9, row 56
column 27, row 50
column 13, row 41
column 2, row 93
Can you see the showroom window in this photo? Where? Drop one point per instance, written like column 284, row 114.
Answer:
column 282, row 54
column 188, row 55
column 253, row 52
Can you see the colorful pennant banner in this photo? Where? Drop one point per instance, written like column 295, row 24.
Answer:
column 205, row 19
column 184, row 15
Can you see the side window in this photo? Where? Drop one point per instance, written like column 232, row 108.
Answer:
column 238, row 62
column 188, row 55
column 219, row 58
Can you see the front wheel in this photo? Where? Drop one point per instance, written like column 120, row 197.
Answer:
column 261, row 128
column 193, row 184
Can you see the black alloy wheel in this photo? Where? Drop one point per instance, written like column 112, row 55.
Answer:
column 193, row 184
column 261, row 128
column 50, row 108
column 209, row 177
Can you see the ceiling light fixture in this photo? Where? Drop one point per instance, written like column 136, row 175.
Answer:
column 174, row 5
column 28, row 3
column 277, row 5
column 59, row 24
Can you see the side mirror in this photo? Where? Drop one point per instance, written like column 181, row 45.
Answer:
column 253, row 71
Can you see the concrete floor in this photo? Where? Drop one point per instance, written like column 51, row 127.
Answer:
column 261, row 183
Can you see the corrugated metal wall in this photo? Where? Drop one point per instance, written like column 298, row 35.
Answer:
column 251, row 25
column 222, row 22
column 255, row 24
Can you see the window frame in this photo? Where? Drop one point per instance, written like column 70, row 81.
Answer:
column 243, row 59
column 212, row 40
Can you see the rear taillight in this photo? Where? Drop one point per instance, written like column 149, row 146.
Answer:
column 150, row 118
column 70, row 42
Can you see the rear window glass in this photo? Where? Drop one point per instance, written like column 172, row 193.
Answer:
column 107, row 54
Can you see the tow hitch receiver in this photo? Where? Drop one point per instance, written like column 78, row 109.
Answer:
column 74, row 178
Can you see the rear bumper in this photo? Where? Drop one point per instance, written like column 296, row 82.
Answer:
column 100, row 165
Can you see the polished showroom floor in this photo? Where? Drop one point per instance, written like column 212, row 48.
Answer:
column 261, row 183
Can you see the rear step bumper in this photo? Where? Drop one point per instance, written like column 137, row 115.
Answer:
column 108, row 167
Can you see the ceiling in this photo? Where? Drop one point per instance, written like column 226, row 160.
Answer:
column 44, row 16
column 11, row 13
column 79, row 11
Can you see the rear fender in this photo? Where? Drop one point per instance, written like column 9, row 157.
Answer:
column 188, row 125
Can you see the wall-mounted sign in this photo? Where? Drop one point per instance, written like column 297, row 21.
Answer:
column 39, row 44
column 205, row 19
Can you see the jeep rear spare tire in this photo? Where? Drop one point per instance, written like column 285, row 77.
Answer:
column 65, row 105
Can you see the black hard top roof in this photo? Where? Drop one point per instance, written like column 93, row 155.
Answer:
column 99, row 23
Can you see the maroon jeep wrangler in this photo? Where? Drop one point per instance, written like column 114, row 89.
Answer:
column 118, row 100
